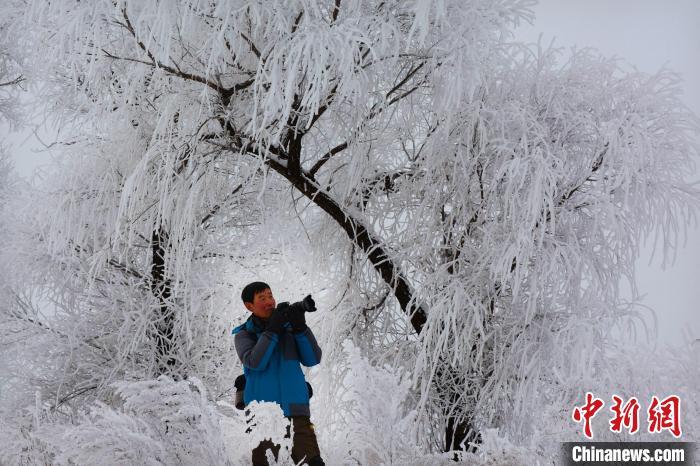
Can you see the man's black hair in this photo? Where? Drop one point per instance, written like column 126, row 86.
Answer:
column 251, row 289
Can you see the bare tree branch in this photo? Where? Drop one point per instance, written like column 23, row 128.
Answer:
column 14, row 81
column 158, row 64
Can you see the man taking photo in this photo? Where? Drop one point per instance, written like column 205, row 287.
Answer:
column 272, row 344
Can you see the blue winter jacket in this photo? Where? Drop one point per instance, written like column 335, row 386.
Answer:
column 271, row 365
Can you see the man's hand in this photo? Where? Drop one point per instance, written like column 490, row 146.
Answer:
column 277, row 320
column 298, row 320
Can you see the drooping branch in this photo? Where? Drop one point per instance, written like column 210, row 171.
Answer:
column 564, row 197
column 252, row 46
column 597, row 163
column 375, row 111
column 13, row 82
column 124, row 268
column 355, row 230
column 326, row 157
column 35, row 321
column 175, row 70
column 217, row 207
column 361, row 236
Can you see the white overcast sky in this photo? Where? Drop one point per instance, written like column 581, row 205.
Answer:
column 648, row 34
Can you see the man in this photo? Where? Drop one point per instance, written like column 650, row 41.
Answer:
column 271, row 344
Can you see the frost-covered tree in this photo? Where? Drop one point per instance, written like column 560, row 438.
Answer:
column 122, row 301
column 476, row 201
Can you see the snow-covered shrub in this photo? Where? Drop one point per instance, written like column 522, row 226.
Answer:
column 367, row 415
column 108, row 436
column 498, row 450
column 151, row 422
column 18, row 443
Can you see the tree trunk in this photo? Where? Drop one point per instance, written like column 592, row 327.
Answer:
column 459, row 429
column 163, row 331
column 458, row 435
column 363, row 238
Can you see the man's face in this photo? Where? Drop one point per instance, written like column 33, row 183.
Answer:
column 263, row 304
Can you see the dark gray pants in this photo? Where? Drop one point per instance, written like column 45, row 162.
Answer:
column 304, row 444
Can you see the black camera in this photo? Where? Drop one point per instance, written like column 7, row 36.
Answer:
column 305, row 305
